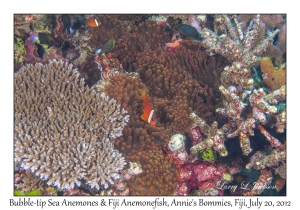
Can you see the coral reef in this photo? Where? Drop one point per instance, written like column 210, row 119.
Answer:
column 234, row 43
column 26, row 181
column 177, row 142
column 271, row 22
column 138, row 134
column 109, row 65
column 89, row 70
column 216, row 88
column 159, row 174
column 204, row 176
column 277, row 155
column 264, row 179
column 64, row 130
column 214, row 137
column 244, row 48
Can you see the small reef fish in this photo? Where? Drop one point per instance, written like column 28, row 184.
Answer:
column 256, row 78
column 46, row 39
column 107, row 46
column 40, row 50
column 92, row 22
column 34, row 38
column 67, row 23
column 188, row 31
column 43, row 39
column 78, row 21
column 148, row 111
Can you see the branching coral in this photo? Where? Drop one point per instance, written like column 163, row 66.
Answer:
column 259, row 101
column 264, row 105
column 278, row 50
column 233, row 105
column 270, row 22
column 244, row 129
column 261, row 160
column 235, row 44
column 243, row 48
column 215, row 137
column 63, row 130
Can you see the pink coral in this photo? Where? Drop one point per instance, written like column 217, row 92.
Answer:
column 197, row 136
column 31, row 54
column 193, row 175
column 207, row 171
column 180, row 157
column 183, row 189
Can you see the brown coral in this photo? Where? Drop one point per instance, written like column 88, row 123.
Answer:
column 63, row 130
column 159, row 174
column 274, row 77
column 138, row 133
column 179, row 83
column 147, row 35
column 89, row 71
column 111, row 27
column 142, row 50
column 185, row 79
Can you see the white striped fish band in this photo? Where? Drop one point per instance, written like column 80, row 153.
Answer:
column 150, row 115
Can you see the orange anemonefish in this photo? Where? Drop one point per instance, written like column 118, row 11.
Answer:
column 92, row 22
column 148, row 111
